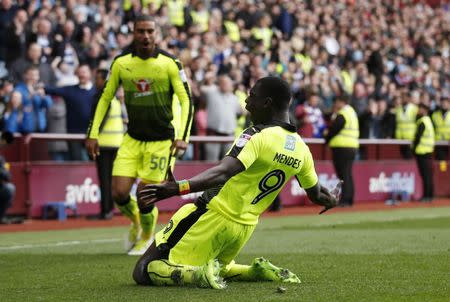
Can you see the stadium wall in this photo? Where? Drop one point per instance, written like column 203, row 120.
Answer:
column 41, row 182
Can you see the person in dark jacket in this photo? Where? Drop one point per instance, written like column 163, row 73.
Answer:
column 79, row 101
column 7, row 189
column 33, row 58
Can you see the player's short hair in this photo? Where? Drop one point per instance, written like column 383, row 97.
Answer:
column 142, row 18
column 277, row 89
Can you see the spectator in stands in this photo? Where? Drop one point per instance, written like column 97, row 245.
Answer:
column 304, row 126
column 44, row 38
column 15, row 118
column 64, row 45
column 79, row 100
column 315, row 115
column 33, row 58
column 34, row 100
column 64, row 75
column 16, row 37
column 360, row 101
column 6, row 88
column 223, row 108
column 7, row 189
column 7, row 12
column 375, row 66
column 387, row 119
column 370, row 122
column 407, row 49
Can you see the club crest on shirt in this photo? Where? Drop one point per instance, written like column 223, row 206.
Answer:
column 243, row 139
column 143, row 86
column 290, row 143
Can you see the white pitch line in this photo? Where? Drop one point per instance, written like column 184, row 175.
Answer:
column 57, row 244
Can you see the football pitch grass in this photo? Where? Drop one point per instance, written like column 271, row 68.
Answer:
column 398, row 255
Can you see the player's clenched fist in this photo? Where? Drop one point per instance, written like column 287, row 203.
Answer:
column 92, row 147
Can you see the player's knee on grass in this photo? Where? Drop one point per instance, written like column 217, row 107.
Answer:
column 140, row 273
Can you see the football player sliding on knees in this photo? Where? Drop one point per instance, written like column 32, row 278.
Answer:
column 201, row 241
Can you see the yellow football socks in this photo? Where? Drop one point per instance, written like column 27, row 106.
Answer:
column 130, row 210
column 148, row 223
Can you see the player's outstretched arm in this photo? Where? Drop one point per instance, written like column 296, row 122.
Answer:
column 217, row 175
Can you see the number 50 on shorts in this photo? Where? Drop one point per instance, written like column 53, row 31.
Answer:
column 158, row 163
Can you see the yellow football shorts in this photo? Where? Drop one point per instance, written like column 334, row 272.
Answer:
column 145, row 160
column 196, row 235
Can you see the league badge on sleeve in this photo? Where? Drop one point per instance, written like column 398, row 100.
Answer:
column 243, row 139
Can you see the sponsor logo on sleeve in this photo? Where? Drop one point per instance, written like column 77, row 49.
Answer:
column 243, row 139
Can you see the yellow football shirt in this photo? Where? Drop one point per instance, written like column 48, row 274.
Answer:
column 149, row 86
column 271, row 155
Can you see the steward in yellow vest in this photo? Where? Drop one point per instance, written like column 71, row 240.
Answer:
column 176, row 12
column 441, row 122
column 112, row 129
column 405, row 123
column 232, row 30
column 109, row 139
column 262, row 31
column 342, row 138
column 200, row 17
column 348, row 135
column 423, row 147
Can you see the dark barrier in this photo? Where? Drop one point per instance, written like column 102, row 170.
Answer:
column 77, row 183
column 40, row 182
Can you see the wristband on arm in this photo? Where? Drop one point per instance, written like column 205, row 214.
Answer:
column 183, row 187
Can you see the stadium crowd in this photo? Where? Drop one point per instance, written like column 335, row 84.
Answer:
column 379, row 53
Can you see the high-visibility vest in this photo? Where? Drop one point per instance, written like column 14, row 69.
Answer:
column 201, row 19
column 405, row 122
column 348, row 136
column 347, row 81
column 242, row 96
column 264, row 34
column 442, row 125
column 306, row 61
column 232, row 31
column 426, row 142
column 176, row 12
column 127, row 5
column 111, row 131
column 156, row 3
